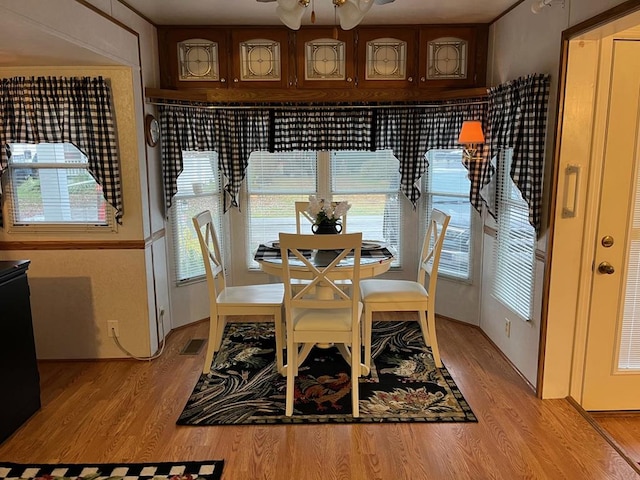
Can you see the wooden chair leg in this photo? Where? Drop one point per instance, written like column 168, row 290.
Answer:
column 277, row 318
column 222, row 322
column 211, row 344
column 292, row 362
column 355, row 377
column 434, row 340
column 424, row 327
column 366, row 337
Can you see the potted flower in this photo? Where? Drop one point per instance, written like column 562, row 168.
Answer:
column 326, row 215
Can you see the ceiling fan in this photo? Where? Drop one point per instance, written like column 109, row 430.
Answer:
column 350, row 12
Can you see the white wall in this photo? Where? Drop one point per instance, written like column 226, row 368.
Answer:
column 522, row 43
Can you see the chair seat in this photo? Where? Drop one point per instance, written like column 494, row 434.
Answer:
column 334, row 319
column 380, row 290
column 266, row 294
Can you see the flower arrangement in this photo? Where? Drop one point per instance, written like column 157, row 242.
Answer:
column 326, row 212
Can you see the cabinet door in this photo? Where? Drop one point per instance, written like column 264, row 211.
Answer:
column 193, row 57
column 387, row 57
column 449, row 56
column 325, row 58
column 260, row 58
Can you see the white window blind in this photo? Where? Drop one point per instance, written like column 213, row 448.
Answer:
column 629, row 352
column 370, row 182
column 50, row 185
column 447, row 187
column 514, row 257
column 275, row 181
column 199, row 189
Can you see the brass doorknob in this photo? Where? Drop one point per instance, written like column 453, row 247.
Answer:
column 606, row 268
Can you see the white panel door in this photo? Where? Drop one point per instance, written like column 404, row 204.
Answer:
column 610, row 381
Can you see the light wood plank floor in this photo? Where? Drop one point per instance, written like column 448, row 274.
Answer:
column 125, row 411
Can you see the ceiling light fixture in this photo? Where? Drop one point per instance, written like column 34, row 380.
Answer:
column 538, row 5
column 349, row 12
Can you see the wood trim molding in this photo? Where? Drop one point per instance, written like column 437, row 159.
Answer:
column 74, row 245
column 260, row 96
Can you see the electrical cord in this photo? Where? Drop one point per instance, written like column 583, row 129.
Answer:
column 131, row 355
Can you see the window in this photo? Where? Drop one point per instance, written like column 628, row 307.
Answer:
column 199, row 189
column 50, row 187
column 514, row 247
column 369, row 181
column 447, row 189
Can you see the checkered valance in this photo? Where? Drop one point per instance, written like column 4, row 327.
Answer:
column 234, row 134
column 76, row 110
column 517, row 119
column 317, row 129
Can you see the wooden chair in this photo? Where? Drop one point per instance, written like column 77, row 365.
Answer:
column 321, row 311
column 241, row 300
column 380, row 295
column 301, row 213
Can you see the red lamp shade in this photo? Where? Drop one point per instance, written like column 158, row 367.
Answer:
column 471, row 133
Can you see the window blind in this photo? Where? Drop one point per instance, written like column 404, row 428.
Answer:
column 447, row 188
column 629, row 352
column 514, row 246
column 199, row 189
column 275, row 181
column 370, row 182
column 50, row 184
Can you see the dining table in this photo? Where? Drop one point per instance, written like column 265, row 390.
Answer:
column 375, row 259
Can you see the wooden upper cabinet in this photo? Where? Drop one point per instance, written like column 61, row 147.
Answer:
column 193, row 57
column 452, row 56
column 260, row 58
column 387, row 57
column 324, row 61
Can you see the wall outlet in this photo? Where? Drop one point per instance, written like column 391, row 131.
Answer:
column 507, row 327
column 112, row 325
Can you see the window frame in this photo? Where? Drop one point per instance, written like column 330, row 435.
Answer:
column 503, row 209
column 217, row 214
column 11, row 226
column 429, row 193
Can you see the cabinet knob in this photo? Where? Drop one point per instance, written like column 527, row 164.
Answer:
column 235, row 80
column 223, row 80
column 410, row 79
column 423, row 79
column 349, row 79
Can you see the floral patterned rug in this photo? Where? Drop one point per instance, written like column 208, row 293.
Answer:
column 404, row 385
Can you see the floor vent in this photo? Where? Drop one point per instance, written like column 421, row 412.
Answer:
column 193, row 346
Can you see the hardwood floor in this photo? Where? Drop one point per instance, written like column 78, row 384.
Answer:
column 125, row 411
column 623, row 429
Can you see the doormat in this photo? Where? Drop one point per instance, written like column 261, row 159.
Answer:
column 244, row 386
column 209, row 470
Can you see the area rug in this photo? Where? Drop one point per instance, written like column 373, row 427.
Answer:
column 209, row 470
column 404, row 385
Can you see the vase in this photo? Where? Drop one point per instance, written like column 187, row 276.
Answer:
column 326, row 228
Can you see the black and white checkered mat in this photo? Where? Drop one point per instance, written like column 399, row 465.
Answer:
column 210, row 470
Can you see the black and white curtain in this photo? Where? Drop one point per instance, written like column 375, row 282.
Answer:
column 234, row 133
column 76, row 110
column 410, row 132
column 517, row 120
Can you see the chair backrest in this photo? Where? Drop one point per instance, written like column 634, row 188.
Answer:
column 210, row 248
column 432, row 248
column 322, row 290
column 301, row 212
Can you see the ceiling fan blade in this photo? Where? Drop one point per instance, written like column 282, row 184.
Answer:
column 377, row 2
column 266, row 1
